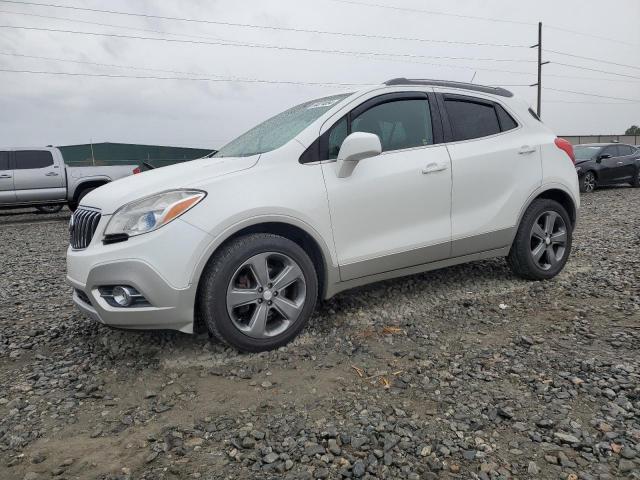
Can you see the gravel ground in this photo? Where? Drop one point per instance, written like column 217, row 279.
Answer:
column 461, row 373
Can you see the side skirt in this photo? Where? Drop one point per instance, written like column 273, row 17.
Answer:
column 425, row 267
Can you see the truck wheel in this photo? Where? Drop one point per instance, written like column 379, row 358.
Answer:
column 543, row 242
column 49, row 208
column 258, row 292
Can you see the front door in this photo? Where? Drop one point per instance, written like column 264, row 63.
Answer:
column 7, row 193
column 393, row 211
column 37, row 177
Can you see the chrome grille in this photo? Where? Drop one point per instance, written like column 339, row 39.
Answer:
column 82, row 226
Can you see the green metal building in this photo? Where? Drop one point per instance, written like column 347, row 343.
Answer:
column 119, row 153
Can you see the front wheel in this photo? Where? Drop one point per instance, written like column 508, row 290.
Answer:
column 49, row 208
column 543, row 242
column 588, row 182
column 258, row 292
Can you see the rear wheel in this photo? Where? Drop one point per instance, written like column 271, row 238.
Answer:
column 588, row 182
column 543, row 242
column 49, row 208
column 258, row 292
column 636, row 179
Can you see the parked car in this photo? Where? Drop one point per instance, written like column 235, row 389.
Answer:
column 600, row 164
column 338, row 192
column 38, row 177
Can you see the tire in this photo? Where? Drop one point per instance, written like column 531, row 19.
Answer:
column 534, row 258
column 588, row 182
column 49, row 208
column 636, row 180
column 232, row 270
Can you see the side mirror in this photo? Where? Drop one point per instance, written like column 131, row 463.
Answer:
column 604, row 156
column 356, row 147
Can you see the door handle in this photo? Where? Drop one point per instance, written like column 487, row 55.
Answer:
column 525, row 149
column 52, row 174
column 434, row 167
column 620, row 163
column 5, row 176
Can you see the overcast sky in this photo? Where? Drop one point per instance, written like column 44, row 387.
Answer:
column 44, row 109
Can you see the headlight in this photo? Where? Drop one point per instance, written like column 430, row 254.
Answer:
column 578, row 169
column 150, row 213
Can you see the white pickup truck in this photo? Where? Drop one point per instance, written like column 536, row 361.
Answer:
column 38, row 177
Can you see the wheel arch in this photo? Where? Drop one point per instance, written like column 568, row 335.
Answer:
column 84, row 185
column 288, row 227
column 560, row 195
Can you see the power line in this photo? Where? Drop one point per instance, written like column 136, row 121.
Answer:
column 579, row 67
column 592, row 95
column 592, row 103
column 599, row 60
column 266, row 27
column 433, row 12
column 267, row 46
column 194, row 79
column 486, row 19
column 111, row 25
column 599, row 37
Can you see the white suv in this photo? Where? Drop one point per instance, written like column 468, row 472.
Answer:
column 409, row 176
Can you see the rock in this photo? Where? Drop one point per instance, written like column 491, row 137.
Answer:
column 270, row 457
column 38, row 457
column 566, row 437
column 532, row 468
column 626, row 466
column 358, row 469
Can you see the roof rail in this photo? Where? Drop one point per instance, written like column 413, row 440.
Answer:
column 445, row 83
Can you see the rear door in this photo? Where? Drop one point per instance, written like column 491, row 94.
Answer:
column 496, row 164
column 37, row 176
column 610, row 168
column 7, row 193
column 628, row 159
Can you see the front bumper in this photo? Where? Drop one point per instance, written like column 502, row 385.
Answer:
column 160, row 265
column 171, row 308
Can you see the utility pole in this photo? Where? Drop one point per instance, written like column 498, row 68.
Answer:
column 540, row 64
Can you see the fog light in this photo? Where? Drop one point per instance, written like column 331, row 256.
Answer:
column 123, row 296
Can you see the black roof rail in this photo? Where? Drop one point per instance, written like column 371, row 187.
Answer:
column 445, row 83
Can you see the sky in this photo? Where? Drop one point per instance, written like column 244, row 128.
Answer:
column 210, row 105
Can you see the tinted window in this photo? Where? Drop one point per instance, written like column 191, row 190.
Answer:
column 583, row 152
column 625, row 150
column 472, row 120
column 401, row 124
column 4, row 160
column 33, row 159
column 611, row 150
column 506, row 121
column 336, row 136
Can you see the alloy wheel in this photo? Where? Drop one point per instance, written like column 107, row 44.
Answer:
column 266, row 295
column 589, row 182
column 548, row 240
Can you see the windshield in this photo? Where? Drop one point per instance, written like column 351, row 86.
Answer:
column 278, row 130
column 584, row 152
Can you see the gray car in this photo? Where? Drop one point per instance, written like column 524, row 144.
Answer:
column 38, row 177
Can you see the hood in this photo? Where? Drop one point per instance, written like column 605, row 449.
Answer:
column 112, row 196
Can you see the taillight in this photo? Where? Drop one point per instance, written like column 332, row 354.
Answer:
column 137, row 170
column 566, row 146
